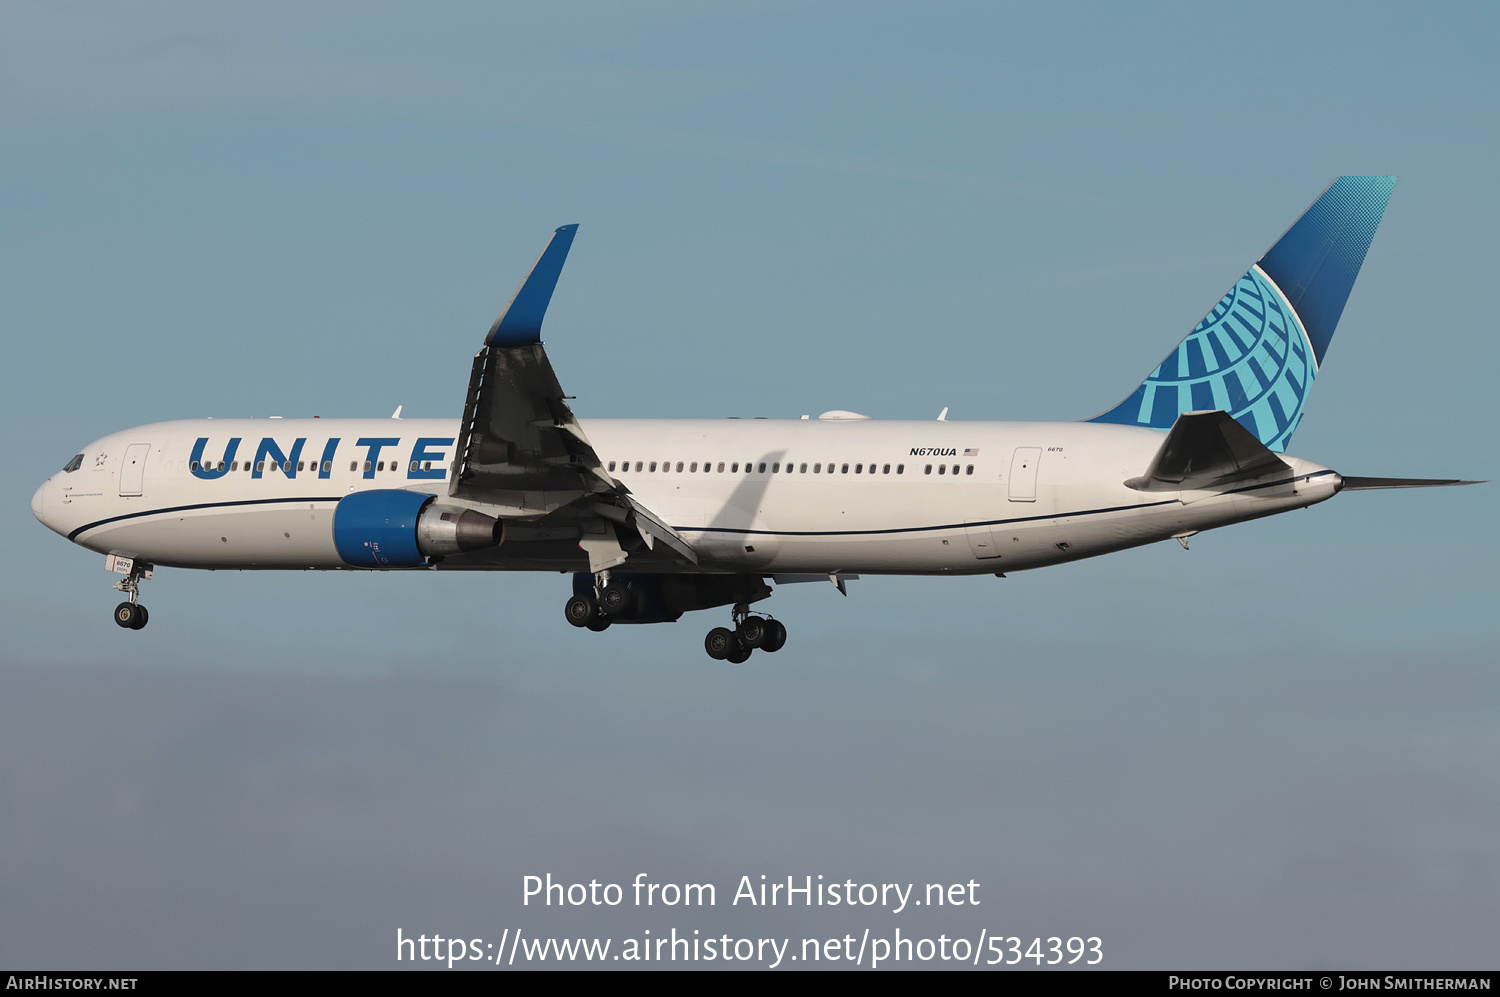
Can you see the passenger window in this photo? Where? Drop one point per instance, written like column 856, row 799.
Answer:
column 817, row 468
column 380, row 466
column 693, row 469
column 367, row 465
column 955, row 468
column 942, row 468
column 859, row 468
column 637, row 465
column 427, row 465
column 886, row 469
column 193, row 466
column 900, row 468
column 653, row 465
column 679, row 467
column 328, row 467
column 734, row 468
column 928, row 469
column 802, row 469
column 775, row 468
column 612, row 467
column 762, row 467
column 845, row 469
column 969, row 469
column 721, row 467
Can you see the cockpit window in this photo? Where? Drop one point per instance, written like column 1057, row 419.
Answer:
column 75, row 463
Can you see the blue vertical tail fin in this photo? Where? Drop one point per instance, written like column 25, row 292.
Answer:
column 1257, row 353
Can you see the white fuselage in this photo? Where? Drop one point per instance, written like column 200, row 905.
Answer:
column 757, row 496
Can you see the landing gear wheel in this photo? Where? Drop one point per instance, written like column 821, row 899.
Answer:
column 598, row 623
column 754, row 631
column 720, row 643
column 615, row 598
column 740, row 654
column 579, row 610
column 775, row 638
column 130, row 615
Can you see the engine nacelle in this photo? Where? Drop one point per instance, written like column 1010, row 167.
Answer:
column 394, row 528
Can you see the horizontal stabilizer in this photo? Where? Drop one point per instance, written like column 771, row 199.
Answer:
column 1372, row 484
column 1206, row 449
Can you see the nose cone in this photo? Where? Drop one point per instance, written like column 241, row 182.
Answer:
column 44, row 505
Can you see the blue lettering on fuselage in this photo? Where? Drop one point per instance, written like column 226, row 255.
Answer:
column 421, row 455
column 426, row 450
column 325, row 468
column 375, row 445
column 286, row 463
column 205, row 470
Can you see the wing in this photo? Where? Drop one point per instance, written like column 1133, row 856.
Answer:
column 521, row 451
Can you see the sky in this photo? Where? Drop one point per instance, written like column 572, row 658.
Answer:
column 1274, row 750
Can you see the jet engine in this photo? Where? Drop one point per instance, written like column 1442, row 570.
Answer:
column 394, row 528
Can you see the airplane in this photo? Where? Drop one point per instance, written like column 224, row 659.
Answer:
column 655, row 518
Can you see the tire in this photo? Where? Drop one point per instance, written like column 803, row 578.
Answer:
column 598, row 623
column 775, row 639
column 126, row 615
column 143, row 615
column 720, row 643
column 615, row 599
column 753, row 631
column 740, row 655
column 579, row 610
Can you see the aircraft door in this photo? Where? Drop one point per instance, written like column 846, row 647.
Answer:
column 1023, row 467
column 133, row 468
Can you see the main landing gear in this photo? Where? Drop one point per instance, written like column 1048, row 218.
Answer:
column 131, row 614
column 750, row 632
column 597, row 610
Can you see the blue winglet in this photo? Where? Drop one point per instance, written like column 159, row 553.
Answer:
column 521, row 322
column 1256, row 354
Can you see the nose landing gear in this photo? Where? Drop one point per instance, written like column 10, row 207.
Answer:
column 750, row 633
column 131, row 615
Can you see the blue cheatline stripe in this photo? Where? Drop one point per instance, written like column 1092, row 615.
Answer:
column 916, row 529
column 703, row 529
column 200, row 505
